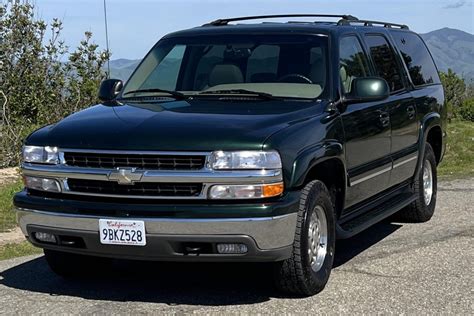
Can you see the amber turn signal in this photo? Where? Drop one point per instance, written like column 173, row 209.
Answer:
column 273, row 189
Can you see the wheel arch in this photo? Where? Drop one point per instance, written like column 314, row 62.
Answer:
column 431, row 132
column 324, row 162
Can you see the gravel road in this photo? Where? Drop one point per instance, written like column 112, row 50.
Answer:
column 392, row 267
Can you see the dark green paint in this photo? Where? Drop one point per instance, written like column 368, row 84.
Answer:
column 305, row 133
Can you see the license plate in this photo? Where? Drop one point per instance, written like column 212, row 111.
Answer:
column 120, row 232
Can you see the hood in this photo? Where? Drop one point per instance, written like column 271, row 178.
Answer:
column 196, row 125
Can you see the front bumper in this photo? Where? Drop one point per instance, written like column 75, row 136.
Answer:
column 267, row 238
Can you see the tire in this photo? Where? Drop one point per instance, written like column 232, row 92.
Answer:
column 296, row 275
column 421, row 211
column 69, row 265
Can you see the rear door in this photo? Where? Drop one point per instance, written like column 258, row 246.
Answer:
column 366, row 129
column 400, row 106
column 425, row 90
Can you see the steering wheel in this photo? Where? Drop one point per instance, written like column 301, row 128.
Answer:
column 297, row 78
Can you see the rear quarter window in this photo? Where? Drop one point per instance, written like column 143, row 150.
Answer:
column 417, row 58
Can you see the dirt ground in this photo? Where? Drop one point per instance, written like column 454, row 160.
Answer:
column 12, row 237
column 8, row 175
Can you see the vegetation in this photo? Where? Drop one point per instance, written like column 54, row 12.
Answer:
column 459, row 97
column 24, row 248
column 7, row 216
column 40, row 80
column 466, row 110
column 459, row 158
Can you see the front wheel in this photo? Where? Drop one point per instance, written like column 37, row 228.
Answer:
column 307, row 271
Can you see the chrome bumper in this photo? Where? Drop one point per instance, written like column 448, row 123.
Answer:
column 268, row 232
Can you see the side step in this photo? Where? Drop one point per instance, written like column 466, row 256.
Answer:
column 355, row 225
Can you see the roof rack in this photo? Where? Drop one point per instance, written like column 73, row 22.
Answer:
column 221, row 22
column 371, row 23
column 345, row 19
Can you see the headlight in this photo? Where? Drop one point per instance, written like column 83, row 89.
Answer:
column 38, row 154
column 232, row 160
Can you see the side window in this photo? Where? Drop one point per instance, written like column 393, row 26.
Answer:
column 165, row 75
column 385, row 62
column 418, row 60
column 352, row 62
column 263, row 64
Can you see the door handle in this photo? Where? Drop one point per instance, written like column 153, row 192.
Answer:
column 411, row 112
column 384, row 118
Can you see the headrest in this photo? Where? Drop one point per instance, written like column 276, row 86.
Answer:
column 343, row 73
column 224, row 74
column 318, row 73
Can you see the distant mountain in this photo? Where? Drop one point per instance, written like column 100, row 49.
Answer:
column 122, row 68
column 451, row 48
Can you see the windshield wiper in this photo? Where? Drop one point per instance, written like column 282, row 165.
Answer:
column 177, row 95
column 263, row 95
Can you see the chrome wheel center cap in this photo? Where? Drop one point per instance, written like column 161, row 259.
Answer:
column 317, row 238
column 427, row 183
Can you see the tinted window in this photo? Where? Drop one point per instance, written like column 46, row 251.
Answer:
column 263, row 64
column 282, row 65
column 165, row 75
column 352, row 62
column 385, row 62
column 417, row 58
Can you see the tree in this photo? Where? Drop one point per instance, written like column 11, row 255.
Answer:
column 40, row 81
column 454, row 91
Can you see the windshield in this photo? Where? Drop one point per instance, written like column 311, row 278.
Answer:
column 293, row 66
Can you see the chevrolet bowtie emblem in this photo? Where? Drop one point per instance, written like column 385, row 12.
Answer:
column 125, row 175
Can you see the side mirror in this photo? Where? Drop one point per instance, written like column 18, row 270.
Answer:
column 367, row 89
column 109, row 89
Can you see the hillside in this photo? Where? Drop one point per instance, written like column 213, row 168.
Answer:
column 451, row 48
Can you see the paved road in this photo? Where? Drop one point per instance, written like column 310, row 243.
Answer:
column 392, row 267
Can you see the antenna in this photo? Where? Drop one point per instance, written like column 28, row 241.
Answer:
column 107, row 40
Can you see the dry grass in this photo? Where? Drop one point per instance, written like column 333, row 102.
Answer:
column 7, row 215
column 24, row 248
column 459, row 158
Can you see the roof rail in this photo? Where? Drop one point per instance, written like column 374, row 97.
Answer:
column 371, row 23
column 345, row 19
column 221, row 22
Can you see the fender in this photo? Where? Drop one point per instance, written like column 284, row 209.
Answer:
column 312, row 156
column 431, row 120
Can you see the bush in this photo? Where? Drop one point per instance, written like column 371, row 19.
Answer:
column 466, row 110
column 41, row 81
column 454, row 91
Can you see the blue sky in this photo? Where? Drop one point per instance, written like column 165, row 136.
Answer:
column 135, row 25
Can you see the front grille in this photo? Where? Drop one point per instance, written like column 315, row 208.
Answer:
column 137, row 189
column 139, row 161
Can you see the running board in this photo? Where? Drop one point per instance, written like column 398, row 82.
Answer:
column 356, row 225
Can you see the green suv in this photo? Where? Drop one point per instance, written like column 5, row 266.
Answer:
column 242, row 142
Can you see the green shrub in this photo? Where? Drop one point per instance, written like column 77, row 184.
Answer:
column 37, row 86
column 466, row 110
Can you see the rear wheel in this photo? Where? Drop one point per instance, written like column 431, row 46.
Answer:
column 69, row 265
column 307, row 271
column 425, row 188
